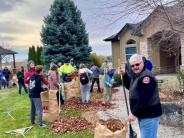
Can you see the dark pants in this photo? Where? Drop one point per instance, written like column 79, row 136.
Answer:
column 2, row 83
column 36, row 107
column 22, row 84
column 61, row 98
column 7, row 82
column 97, row 80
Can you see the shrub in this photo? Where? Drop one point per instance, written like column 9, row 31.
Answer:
column 117, row 79
column 180, row 77
column 95, row 60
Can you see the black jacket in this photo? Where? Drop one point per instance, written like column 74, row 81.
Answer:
column 143, row 95
column 20, row 76
column 35, row 86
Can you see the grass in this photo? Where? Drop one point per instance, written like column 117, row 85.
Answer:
column 20, row 105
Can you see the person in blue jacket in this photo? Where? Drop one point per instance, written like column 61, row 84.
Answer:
column 2, row 79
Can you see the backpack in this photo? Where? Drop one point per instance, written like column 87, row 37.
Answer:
column 84, row 79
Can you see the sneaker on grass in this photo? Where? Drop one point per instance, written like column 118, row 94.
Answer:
column 43, row 126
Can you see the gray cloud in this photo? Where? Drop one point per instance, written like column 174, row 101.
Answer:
column 7, row 5
column 6, row 38
column 14, row 27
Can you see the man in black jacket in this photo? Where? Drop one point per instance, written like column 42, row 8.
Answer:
column 144, row 97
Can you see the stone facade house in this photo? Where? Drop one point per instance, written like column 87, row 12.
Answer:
column 138, row 38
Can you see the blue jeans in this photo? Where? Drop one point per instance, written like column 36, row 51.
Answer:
column 22, row 84
column 148, row 127
column 36, row 107
column 85, row 92
column 107, row 93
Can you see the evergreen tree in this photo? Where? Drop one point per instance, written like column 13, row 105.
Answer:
column 63, row 34
column 32, row 54
column 29, row 54
column 38, row 55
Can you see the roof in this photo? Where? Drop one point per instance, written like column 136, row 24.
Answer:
column 137, row 28
column 4, row 51
column 134, row 27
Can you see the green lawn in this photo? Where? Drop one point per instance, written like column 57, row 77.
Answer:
column 20, row 105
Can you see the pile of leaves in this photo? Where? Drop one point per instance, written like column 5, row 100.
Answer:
column 113, row 124
column 71, row 125
column 93, row 105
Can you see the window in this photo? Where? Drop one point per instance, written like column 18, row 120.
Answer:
column 131, row 41
column 129, row 51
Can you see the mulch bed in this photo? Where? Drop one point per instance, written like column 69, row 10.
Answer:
column 93, row 105
column 71, row 125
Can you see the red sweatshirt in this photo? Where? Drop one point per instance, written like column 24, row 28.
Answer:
column 29, row 73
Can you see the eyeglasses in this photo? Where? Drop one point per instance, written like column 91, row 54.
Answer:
column 137, row 64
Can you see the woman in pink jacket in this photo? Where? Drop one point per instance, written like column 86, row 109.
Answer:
column 53, row 78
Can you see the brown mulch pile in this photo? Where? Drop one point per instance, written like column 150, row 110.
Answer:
column 93, row 105
column 113, row 124
column 71, row 125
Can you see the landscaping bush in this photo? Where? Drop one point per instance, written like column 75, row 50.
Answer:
column 95, row 60
column 180, row 77
column 117, row 80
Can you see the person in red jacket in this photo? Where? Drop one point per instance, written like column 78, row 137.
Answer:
column 36, row 82
column 31, row 72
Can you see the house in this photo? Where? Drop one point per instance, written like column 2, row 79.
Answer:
column 156, row 37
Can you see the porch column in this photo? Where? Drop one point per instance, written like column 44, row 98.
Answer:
column 143, row 49
column 182, row 54
column 14, row 66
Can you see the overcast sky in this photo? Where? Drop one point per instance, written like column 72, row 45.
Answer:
column 21, row 21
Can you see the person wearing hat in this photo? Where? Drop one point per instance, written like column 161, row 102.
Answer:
column 143, row 97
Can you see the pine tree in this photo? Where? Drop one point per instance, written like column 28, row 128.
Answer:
column 29, row 54
column 32, row 54
column 38, row 55
column 63, row 34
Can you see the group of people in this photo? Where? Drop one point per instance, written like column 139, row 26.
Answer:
column 138, row 79
column 6, row 77
column 88, row 77
column 33, row 79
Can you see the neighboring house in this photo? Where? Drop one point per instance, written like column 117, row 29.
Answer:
column 137, row 38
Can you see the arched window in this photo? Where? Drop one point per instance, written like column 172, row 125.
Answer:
column 131, row 41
